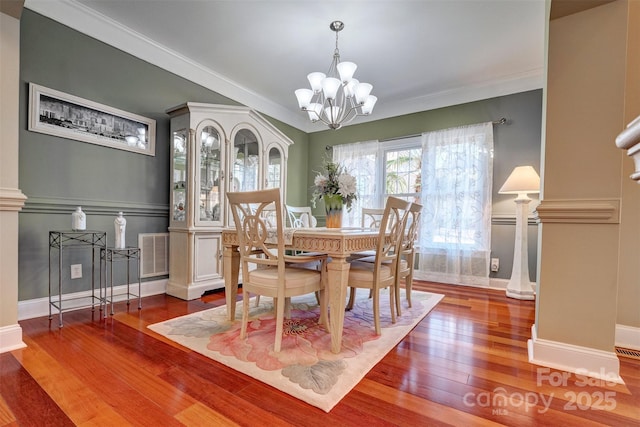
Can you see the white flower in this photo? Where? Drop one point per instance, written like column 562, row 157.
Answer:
column 335, row 180
column 346, row 185
column 321, row 181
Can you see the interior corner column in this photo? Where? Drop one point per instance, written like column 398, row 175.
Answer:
column 580, row 211
column 11, row 198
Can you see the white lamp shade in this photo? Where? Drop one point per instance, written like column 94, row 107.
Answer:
column 304, row 97
column 522, row 180
column 346, row 70
column 362, row 92
column 315, row 80
column 330, row 86
column 332, row 114
column 350, row 88
column 314, row 111
column 367, row 107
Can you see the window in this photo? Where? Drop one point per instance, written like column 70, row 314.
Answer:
column 457, row 174
column 450, row 173
column 360, row 160
column 402, row 172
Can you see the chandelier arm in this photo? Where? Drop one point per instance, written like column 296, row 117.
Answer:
column 352, row 114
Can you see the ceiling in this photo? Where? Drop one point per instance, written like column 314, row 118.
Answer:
column 418, row 55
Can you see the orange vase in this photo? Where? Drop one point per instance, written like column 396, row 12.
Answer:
column 333, row 206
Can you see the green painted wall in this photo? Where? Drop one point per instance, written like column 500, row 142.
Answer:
column 515, row 143
column 58, row 174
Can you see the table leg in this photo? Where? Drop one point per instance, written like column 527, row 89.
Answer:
column 231, row 272
column 338, row 270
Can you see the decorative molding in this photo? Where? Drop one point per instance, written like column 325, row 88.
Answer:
column 579, row 211
column 473, row 281
column 50, row 205
column 39, row 307
column 628, row 337
column 590, row 362
column 11, row 199
column 193, row 290
column 11, row 338
column 629, row 139
column 83, row 19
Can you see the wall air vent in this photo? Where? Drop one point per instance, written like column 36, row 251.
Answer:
column 154, row 249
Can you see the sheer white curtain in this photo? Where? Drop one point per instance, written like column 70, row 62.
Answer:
column 361, row 161
column 457, row 174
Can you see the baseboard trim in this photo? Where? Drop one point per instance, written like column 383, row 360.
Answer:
column 494, row 283
column 39, row 307
column 585, row 361
column 194, row 290
column 628, row 337
column 11, row 338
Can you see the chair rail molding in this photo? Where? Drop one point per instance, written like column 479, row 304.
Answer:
column 579, row 211
column 11, row 199
column 629, row 139
column 55, row 205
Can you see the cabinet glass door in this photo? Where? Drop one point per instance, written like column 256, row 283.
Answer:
column 246, row 162
column 274, row 169
column 210, row 173
column 179, row 175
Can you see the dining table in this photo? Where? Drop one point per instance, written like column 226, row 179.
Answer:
column 338, row 243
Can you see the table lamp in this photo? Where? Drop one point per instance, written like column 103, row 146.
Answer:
column 523, row 180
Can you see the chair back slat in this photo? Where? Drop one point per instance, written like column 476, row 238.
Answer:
column 258, row 241
column 393, row 220
column 300, row 216
column 371, row 218
column 412, row 228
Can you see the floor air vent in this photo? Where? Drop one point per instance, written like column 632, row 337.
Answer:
column 626, row 352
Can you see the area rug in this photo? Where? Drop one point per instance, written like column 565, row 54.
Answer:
column 305, row 368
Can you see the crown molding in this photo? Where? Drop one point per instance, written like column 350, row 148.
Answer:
column 87, row 21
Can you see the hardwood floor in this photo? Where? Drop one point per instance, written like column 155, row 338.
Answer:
column 464, row 364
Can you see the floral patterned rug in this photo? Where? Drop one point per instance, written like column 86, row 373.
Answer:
column 305, row 368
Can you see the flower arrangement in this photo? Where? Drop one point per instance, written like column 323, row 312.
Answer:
column 335, row 180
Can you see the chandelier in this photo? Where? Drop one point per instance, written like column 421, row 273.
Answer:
column 336, row 98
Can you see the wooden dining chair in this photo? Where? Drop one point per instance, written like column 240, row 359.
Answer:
column 300, row 217
column 379, row 271
column 407, row 254
column 266, row 269
column 371, row 218
column 269, row 215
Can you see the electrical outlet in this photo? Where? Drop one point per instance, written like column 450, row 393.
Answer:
column 495, row 264
column 76, row 271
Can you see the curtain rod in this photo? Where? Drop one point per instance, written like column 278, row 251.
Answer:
column 500, row 121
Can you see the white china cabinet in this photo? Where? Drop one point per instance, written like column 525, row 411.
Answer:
column 214, row 149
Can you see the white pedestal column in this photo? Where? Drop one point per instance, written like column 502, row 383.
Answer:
column 520, row 286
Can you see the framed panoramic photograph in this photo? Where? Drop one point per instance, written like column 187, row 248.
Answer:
column 59, row 114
